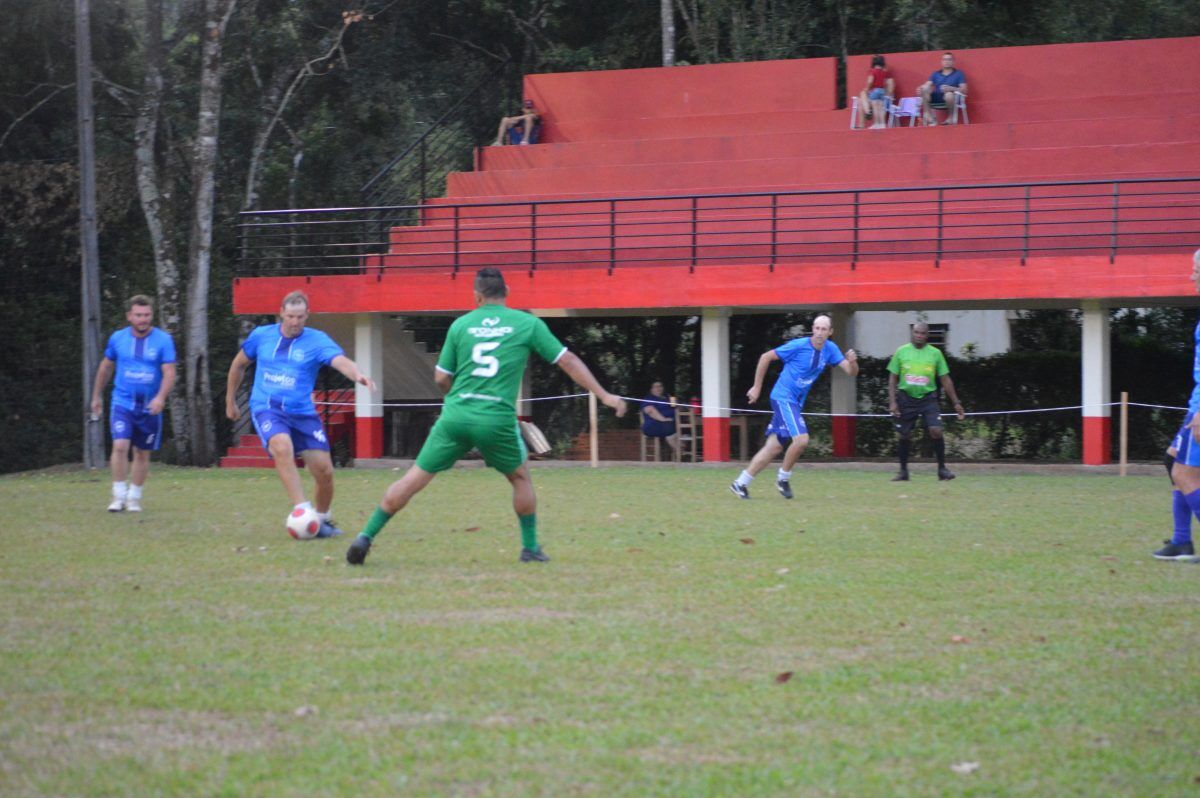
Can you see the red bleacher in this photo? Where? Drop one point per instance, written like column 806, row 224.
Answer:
column 1038, row 114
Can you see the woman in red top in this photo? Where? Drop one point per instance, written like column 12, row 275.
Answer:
column 872, row 98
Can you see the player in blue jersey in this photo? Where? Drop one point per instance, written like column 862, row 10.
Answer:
column 1183, row 461
column 804, row 360
column 288, row 356
column 143, row 358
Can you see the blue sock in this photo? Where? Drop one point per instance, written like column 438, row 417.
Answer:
column 1193, row 502
column 1183, row 518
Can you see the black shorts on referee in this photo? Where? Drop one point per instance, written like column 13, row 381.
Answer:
column 927, row 407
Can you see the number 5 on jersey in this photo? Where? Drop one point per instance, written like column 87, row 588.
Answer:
column 488, row 365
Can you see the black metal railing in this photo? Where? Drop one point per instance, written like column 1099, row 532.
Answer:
column 1023, row 220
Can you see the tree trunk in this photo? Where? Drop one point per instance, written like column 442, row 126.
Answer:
column 667, row 11
column 197, row 384
column 152, row 194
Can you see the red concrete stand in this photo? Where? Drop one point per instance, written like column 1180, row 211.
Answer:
column 1097, row 440
column 716, row 440
column 368, row 437
column 843, row 436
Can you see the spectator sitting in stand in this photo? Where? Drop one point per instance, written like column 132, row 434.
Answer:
column 658, row 415
column 519, row 129
column 942, row 90
column 872, row 100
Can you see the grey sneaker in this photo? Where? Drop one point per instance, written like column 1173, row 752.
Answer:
column 901, row 476
column 1179, row 552
column 534, row 555
column 945, row 474
column 741, row 491
column 357, row 553
column 785, row 488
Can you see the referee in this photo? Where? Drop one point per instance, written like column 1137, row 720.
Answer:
column 917, row 368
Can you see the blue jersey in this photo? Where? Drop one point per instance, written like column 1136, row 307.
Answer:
column 139, row 363
column 1194, row 402
column 802, row 364
column 287, row 367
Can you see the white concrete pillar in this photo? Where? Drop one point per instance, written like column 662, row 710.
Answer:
column 1097, row 385
column 844, row 388
column 368, row 410
column 714, row 382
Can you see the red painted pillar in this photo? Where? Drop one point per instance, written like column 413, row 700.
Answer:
column 1097, row 440
column 368, row 437
column 716, row 439
column 843, row 436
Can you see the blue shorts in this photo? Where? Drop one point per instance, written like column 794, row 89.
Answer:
column 140, row 428
column 786, row 421
column 877, row 94
column 1187, row 451
column 305, row 430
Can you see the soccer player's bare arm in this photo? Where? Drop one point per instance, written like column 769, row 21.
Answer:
column 103, row 374
column 850, row 364
column 350, row 370
column 168, row 382
column 577, row 370
column 237, row 372
column 948, row 387
column 760, row 373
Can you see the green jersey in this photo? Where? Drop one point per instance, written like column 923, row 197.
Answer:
column 918, row 370
column 486, row 352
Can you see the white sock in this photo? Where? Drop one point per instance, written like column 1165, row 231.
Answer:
column 135, row 492
column 304, row 506
column 744, row 478
column 119, row 489
column 325, row 516
column 784, row 476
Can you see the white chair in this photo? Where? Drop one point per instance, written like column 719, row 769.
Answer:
column 887, row 103
column 960, row 100
column 908, row 107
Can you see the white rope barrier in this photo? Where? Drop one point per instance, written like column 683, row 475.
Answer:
column 748, row 411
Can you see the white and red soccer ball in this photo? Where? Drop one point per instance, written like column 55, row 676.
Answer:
column 303, row 523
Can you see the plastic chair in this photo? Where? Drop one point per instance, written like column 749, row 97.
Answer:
column 908, row 107
column 887, row 104
column 960, row 100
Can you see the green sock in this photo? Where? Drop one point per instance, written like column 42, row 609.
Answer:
column 529, row 531
column 378, row 521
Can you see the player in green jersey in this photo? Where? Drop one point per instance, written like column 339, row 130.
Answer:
column 480, row 370
column 914, row 373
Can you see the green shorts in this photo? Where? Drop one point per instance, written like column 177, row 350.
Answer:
column 499, row 442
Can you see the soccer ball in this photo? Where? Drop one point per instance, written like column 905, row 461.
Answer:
column 303, row 523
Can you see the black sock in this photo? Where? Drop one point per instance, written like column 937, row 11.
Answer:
column 904, row 446
column 939, row 448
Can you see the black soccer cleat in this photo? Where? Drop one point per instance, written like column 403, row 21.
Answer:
column 534, row 555
column 785, row 489
column 1179, row 552
column 901, row 476
column 945, row 474
column 741, row 491
column 357, row 553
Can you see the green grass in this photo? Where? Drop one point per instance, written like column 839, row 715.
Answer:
column 1012, row 621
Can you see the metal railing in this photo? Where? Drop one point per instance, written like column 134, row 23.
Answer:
column 1023, row 220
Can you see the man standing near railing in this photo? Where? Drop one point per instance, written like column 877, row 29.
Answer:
column 480, row 370
column 914, row 373
column 1183, row 460
column 289, row 356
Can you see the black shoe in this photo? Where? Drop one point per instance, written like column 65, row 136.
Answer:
column 741, row 491
column 785, row 489
column 945, row 474
column 902, row 476
column 357, row 553
column 534, row 555
column 1180, row 552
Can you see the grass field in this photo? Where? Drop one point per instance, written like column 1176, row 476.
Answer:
column 998, row 635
